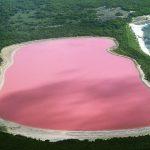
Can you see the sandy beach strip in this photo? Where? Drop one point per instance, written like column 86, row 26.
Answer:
column 7, row 55
column 137, row 26
column 137, row 29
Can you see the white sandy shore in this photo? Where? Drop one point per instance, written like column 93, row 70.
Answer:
column 56, row 135
column 137, row 29
column 137, row 26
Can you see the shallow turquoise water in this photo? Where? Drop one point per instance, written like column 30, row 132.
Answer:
column 146, row 30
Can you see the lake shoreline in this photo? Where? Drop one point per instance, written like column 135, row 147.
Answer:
column 7, row 55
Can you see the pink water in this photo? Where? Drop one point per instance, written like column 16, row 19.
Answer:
column 74, row 84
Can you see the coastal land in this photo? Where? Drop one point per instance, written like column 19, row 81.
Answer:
column 29, row 20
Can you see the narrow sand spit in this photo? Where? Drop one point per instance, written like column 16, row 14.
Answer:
column 137, row 26
column 57, row 135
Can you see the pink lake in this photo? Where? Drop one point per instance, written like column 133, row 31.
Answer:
column 74, row 84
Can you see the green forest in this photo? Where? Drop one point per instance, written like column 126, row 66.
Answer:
column 9, row 142
column 26, row 20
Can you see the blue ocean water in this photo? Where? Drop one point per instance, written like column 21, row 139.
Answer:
column 146, row 30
